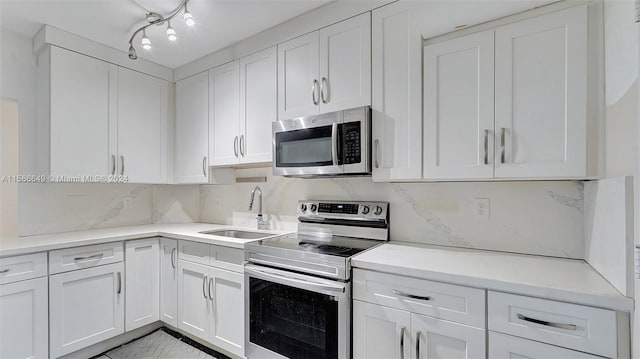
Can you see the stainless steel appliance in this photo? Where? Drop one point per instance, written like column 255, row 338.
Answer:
column 299, row 285
column 332, row 144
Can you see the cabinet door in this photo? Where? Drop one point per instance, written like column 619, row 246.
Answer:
column 541, row 84
column 83, row 114
column 224, row 124
column 441, row 339
column 24, row 325
column 143, row 282
column 192, row 136
column 258, row 105
column 380, row 332
column 458, row 108
column 345, row 64
column 397, row 93
column 502, row 346
column 227, row 297
column 143, row 107
column 169, row 281
column 194, row 308
column 85, row 307
column 298, row 83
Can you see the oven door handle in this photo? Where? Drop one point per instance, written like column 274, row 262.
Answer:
column 334, row 143
column 266, row 274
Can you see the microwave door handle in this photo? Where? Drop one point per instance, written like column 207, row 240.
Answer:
column 334, row 143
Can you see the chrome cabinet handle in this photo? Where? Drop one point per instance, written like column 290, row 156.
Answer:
column 242, row 149
column 402, row 342
column 314, row 90
column 173, row 263
column 121, row 165
column 235, row 146
column 204, row 166
column 376, row 149
column 412, row 296
column 88, row 258
column 119, row 283
column 204, row 285
column 502, row 144
column 4, row 271
column 486, row 147
column 418, row 335
column 334, row 143
column 209, row 290
column 113, row 165
column 324, row 85
column 548, row 324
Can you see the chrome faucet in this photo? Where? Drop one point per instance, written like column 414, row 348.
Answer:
column 262, row 224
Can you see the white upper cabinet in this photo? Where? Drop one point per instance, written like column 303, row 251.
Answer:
column 396, row 93
column 327, row 70
column 224, row 111
column 192, row 129
column 258, row 105
column 298, row 86
column 541, row 96
column 458, row 108
column 143, row 108
column 82, row 100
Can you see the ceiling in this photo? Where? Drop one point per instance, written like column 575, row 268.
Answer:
column 219, row 23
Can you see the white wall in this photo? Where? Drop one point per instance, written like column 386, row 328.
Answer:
column 8, row 167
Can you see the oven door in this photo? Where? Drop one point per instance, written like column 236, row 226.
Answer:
column 292, row 315
column 307, row 146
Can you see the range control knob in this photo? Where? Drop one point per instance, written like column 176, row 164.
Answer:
column 365, row 209
column 313, row 207
column 377, row 211
column 303, row 207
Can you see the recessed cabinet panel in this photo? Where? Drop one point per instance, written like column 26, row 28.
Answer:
column 380, row 332
column 169, row 281
column 192, row 129
column 298, row 86
column 541, row 94
column 194, row 308
column 502, row 346
column 224, row 102
column 83, row 114
column 227, row 297
column 143, row 282
column 440, row 339
column 458, row 108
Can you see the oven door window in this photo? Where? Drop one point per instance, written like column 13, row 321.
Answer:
column 293, row 322
column 309, row 147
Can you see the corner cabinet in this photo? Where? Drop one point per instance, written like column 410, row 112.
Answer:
column 243, row 105
column 98, row 119
column 143, row 282
column 511, row 102
column 326, row 70
column 192, row 129
column 169, row 281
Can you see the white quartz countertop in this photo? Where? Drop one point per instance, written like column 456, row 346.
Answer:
column 188, row 231
column 560, row 279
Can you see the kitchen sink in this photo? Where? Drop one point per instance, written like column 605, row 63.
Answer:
column 237, row 234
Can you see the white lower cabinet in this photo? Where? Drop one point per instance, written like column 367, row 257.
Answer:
column 86, row 307
column 24, row 319
column 142, row 282
column 382, row 332
column 169, row 281
column 502, row 346
column 210, row 305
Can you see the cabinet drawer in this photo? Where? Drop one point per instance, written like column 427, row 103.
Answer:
column 65, row 260
column 439, row 300
column 13, row 269
column 194, row 252
column 227, row 258
column 588, row 329
column 502, row 346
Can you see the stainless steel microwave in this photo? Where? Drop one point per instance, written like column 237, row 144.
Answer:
column 331, row 144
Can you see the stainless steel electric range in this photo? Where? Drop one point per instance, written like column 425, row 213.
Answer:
column 299, row 289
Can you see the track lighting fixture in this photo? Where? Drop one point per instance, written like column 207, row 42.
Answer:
column 154, row 18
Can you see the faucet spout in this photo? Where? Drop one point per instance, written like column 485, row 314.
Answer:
column 262, row 224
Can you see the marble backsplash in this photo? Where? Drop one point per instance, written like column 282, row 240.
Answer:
column 542, row 217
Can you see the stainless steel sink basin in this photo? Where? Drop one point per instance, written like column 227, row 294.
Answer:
column 237, row 234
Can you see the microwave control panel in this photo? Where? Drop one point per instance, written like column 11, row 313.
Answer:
column 351, row 143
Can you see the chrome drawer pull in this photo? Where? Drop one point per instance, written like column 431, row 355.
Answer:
column 402, row 342
column 88, row 258
column 412, row 296
column 4, row 271
column 548, row 324
column 204, row 285
column 209, row 289
column 119, row 283
column 418, row 335
column 173, row 261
